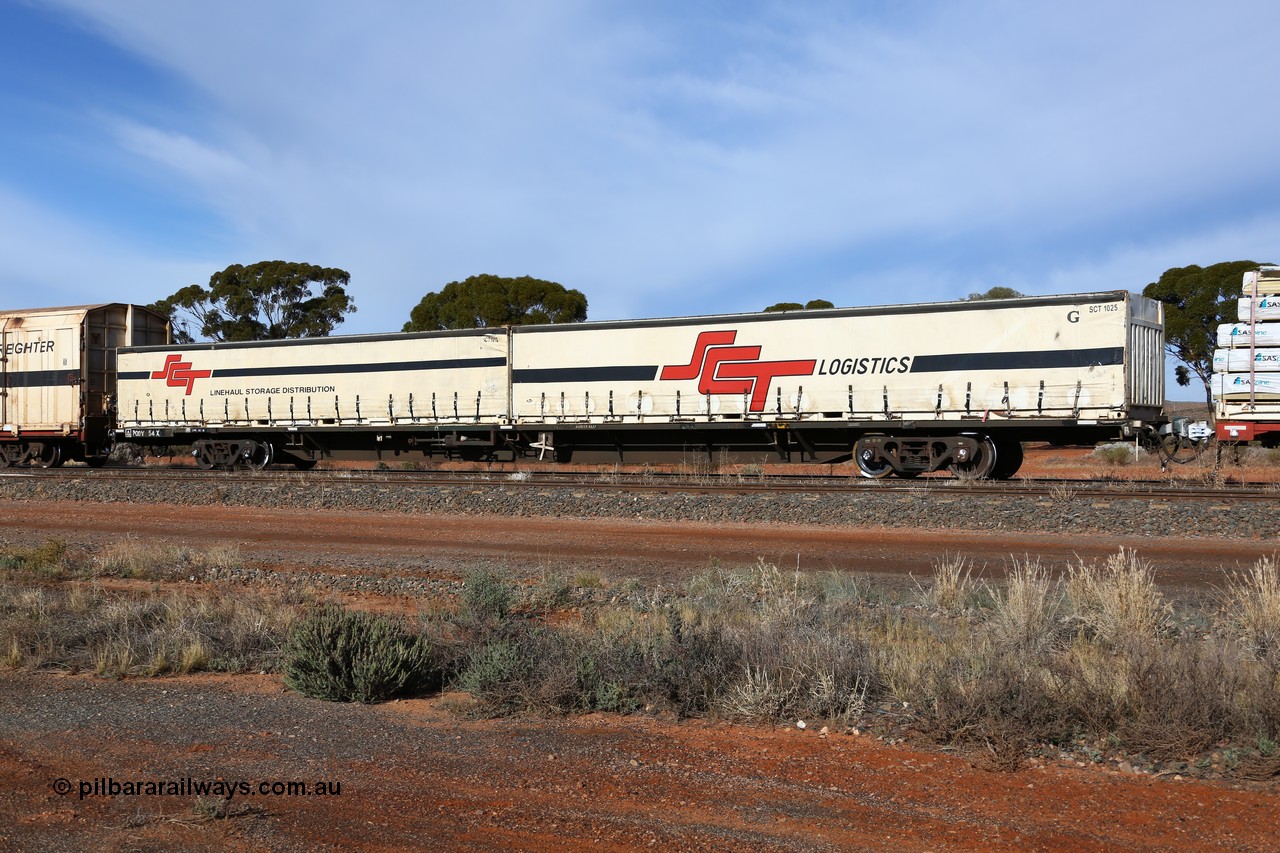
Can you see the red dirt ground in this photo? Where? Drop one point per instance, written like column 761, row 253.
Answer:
column 421, row 774
column 652, row 551
column 432, row 779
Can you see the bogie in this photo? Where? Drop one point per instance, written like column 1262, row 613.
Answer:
column 970, row 456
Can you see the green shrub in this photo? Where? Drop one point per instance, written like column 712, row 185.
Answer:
column 693, row 664
column 345, row 656
column 610, row 667
column 529, row 667
column 492, row 666
column 553, row 590
column 488, row 595
column 597, row 691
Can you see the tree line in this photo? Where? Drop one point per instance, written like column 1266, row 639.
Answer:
column 273, row 300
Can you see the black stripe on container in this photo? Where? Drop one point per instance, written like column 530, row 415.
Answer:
column 1028, row 360
column 41, row 378
column 382, row 367
column 311, row 369
column 623, row 373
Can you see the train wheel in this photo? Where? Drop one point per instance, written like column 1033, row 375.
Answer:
column 868, row 465
column 1008, row 459
column 95, row 461
column 983, row 464
column 259, row 455
column 48, row 456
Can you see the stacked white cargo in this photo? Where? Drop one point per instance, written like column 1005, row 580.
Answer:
column 1246, row 367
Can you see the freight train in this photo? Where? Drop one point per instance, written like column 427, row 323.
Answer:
column 901, row 390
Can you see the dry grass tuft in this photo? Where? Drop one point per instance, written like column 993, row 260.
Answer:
column 1252, row 601
column 135, row 558
column 80, row 627
column 1027, row 611
column 1118, row 600
column 952, row 586
column 195, row 656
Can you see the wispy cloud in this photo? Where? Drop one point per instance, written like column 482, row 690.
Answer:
column 667, row 159
column 188, row 157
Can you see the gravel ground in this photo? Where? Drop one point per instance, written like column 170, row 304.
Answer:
column 926, row 506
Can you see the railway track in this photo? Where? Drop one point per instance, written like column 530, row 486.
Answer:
column 649, row 481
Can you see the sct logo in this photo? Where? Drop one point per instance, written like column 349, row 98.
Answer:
column 178, row 373
column 722, row 368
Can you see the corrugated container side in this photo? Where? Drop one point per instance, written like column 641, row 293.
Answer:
column 146, row 328
column 1145, row 363
column 107, row 328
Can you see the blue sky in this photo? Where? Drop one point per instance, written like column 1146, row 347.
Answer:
column 663, row 157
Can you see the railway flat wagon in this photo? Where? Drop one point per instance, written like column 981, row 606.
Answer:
column 904, row 389
column 1246, row 379
column 58, row 372
column 898, row 389
column 296, row 401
